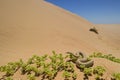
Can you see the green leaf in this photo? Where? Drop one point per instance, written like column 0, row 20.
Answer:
column 31, row 77
column 74, row 75
column 8, row 78
column 88, row 71
column 116, row 76
column 66, row 74
column 99, row 70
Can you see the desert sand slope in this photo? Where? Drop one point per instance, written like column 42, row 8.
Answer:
column 110, row 34
column 110, row 31
column 30, row 27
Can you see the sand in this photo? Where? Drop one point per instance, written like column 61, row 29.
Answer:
column 29, row 27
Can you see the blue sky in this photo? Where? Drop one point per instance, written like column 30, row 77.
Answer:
column 95, row 11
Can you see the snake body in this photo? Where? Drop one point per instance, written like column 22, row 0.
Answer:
column 81, row 59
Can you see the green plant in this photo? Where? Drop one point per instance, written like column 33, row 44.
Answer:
column 37, row 71
column 108, row 56
column 74, row 76
column 48, row 73
column 9, row 70
column 30, row 61
column 66, row 75
column 98, row 71
column 68, row 66
column 60, row 66
column 82, row 67
column 29, row 69
column 2, row 68
column 31, row 77
column 55, row 65
column 88, row 71
column 60, row 57
column 116, row 76
column 98, row 77
column 23, row 68
column 8, row 78
column 54, row 57
column 99, row 55
column 39, row 60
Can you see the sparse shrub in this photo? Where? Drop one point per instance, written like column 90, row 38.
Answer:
column 37, row 71
column 31, row 77
column 116, row 76
column 82, row 67
column 48, row 73
column 107, row 56
column 95, row 54
column 98, row 71
column 8, row 78
column 88, row 71
column 68, row 66
column 74, row 76
column 66, row 75
column 29, row 69
column 30, row 61
column 9, row 69
column 54, row 57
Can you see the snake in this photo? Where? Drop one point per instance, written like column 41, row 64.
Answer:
column 81, row 59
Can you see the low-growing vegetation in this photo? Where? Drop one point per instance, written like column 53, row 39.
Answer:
column 47, row 67
column 116, row 76
column 98, row 71
column 106, row 56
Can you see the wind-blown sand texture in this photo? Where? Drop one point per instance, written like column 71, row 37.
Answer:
column 29, row 27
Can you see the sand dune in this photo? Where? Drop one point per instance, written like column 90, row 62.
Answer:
column 39, row 27
column 30, row 27
column 111, row 31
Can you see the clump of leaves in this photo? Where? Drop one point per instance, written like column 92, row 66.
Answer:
column 39, row 60
column 99, row 55
column 23, row 68
column 116, row 76
column 29, row 69
column 88, row 71
column 107, row 56
column 82, row 67
column 54, row 57
column 8, row 78
column 68, row 66
column 57, row 61
column 74, row 76
column 48, row 73
column 66, row 75
column 31, row 77
column 9, row 69
column 99, row 71
column 37, row 71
